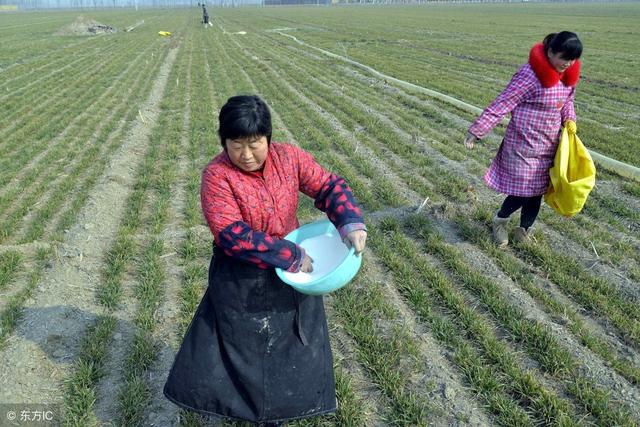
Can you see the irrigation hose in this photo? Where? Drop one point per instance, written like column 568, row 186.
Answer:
column 620, row 168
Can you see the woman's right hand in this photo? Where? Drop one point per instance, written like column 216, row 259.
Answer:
column 307, row 264
column 470, row 140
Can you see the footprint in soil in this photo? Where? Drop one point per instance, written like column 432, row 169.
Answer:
column 57, row 330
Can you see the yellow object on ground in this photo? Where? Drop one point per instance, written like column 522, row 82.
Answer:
column 164, row 33
column 573, row 174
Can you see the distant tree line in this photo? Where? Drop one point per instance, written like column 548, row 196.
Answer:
column 97, row 4
column 101, row 4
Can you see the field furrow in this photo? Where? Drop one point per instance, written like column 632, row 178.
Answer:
column 67, row 293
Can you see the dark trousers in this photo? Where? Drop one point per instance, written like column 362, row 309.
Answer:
column 530, row 208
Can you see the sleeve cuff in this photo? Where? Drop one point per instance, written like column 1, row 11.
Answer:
column 480, row 129
column 348, row 228
column 297, row 262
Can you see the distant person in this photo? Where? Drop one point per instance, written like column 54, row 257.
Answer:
column 205, row 15
column 257, row 349
column 540, row 100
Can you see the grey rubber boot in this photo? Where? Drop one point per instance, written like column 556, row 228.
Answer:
column 499, row 228
column 520, row 235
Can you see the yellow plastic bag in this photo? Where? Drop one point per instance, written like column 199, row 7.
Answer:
column 573, row 174
column 164, row 33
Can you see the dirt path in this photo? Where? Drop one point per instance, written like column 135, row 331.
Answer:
column 160, row 411
column 106, row 405
column 41, row 351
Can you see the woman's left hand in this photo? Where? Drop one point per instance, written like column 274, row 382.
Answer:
column 356, row 239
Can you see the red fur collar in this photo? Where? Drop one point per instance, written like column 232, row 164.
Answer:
column 547, row 75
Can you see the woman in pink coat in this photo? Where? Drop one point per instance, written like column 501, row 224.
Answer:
column 540, row 100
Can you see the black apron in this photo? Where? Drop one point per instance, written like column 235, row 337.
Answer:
column 256, row 349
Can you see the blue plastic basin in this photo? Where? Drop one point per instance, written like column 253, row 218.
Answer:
column 329, row 276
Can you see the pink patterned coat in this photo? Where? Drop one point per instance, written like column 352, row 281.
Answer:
column 540, row 100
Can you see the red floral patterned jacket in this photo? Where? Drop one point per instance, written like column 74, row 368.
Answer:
column 249, row 213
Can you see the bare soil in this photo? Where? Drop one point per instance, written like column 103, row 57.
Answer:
column 84, row 26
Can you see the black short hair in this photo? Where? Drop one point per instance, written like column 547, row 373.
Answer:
column 566, row 43
column 244, row 116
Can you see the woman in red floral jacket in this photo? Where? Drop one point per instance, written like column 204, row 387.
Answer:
column 256, row 349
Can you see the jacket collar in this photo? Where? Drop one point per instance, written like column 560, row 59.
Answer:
column 546, row 74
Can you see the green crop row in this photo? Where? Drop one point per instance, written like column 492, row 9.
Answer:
column 146, row 213
column 520, row 274
column 537, row 339
column 477, row 63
